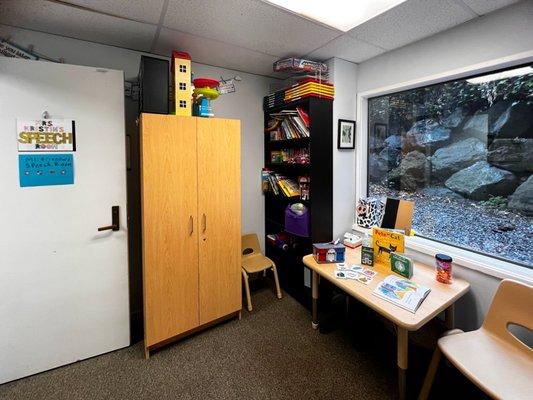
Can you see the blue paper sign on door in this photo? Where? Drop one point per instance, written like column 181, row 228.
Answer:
column 46, row 169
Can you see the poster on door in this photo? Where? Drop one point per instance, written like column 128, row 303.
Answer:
column 45, row 135
column 46, row 169
column 12, row 50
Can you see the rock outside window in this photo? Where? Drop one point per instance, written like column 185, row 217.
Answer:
column 463, row 152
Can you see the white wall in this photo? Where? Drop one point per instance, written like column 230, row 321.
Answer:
column 501, row 33
column 246, row 104
column 504, row 33
column 343, row 75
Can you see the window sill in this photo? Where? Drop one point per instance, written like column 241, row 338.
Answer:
column 467, row 259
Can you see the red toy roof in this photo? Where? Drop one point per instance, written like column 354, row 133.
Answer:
column 181, row 54
column 205, row 82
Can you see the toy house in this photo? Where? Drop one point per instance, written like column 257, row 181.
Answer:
column 181, row 69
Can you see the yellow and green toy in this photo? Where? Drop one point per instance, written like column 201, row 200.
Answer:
column 205, row 90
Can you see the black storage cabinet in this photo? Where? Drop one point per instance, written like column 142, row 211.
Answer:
column 153, row 85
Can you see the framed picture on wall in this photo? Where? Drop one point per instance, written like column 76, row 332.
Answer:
column 346, row 134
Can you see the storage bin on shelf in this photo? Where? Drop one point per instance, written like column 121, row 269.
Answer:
column 328, row 252
column 297, row 220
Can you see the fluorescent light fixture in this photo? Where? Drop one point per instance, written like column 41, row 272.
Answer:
column 340, row 14
column 501, row 75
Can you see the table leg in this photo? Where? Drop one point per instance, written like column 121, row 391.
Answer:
column 449, row 317
column 402, row 362
column 314, row 295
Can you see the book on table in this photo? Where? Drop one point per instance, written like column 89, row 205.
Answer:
column 402, row 292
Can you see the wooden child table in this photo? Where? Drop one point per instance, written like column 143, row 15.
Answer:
column 441, row 298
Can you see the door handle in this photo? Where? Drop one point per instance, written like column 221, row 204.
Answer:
column 115, row 221
column 204, row 222
column 191, row 225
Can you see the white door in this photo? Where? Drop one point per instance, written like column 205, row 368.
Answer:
column 63, row 284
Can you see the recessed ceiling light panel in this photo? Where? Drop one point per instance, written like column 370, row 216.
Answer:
column 339, row 14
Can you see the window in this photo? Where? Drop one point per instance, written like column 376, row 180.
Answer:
column 183, row 68
column 463, row 152
column 182, row 86
column 183, row 103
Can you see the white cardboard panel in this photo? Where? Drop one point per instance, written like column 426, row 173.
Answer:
column 252, row 24
column 215, row 53
column 411, row 21
column 73, row 22
column 347, row 48
column 481, row 7
column 139, row 10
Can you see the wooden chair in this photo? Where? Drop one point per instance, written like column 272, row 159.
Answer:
column 492, row 357
column 254, row 261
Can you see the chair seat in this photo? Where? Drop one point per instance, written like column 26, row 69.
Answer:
column 497, row 367
column 256, row 263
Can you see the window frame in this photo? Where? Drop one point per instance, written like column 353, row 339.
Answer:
column 467, row 258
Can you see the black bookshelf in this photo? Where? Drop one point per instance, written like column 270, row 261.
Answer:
column 320, row 170
column 287, row 143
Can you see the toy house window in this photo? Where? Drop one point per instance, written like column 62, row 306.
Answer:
column 183, row 68
column 183, row 103
column 183, row 86
column 461, row 150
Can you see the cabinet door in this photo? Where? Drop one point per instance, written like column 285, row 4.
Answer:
column 219, row 213
column 169, row 225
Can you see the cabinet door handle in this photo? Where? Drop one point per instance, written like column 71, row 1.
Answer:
column 204, row 222
column 191, row 225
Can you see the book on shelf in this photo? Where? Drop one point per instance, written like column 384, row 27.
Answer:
column 304, row 182
column 288, row 124
column 289, row 187
column 274, row 185
column 402, row 292
column 303, row 116
column 290, row 156
column 279, row 184
column 269, row 182
column 305, row 87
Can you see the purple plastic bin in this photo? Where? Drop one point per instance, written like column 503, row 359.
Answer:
column 297, row 224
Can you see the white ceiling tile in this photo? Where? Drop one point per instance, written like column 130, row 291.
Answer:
column 248, row 23
column 208, row 51
column 347, row 48
column 73, row 22
column 486, row 6
column 139, row 10
column 412, row 21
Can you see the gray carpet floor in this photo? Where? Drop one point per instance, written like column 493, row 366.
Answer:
column 271, row 353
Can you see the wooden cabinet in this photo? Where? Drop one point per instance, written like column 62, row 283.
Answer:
column 219, row 207
column 191, row 224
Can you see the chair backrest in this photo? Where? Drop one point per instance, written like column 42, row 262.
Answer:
column 250, row 244
column 512, row 304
